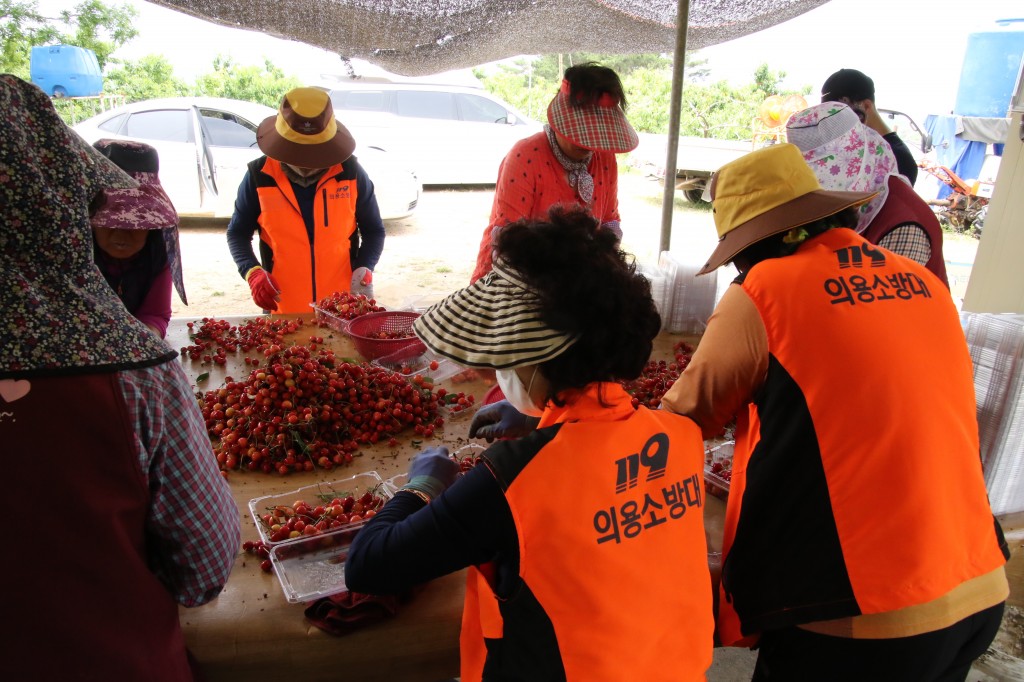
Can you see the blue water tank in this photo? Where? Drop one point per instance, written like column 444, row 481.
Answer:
column 990, row 69
column 66, row 71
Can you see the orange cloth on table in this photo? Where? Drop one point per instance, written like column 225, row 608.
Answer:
column 531, row 181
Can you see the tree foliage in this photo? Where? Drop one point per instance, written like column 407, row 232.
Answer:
column 264, row 84
column 91, row 24
column 709, row 109
column 22, row 27
column 148, row 78
column 99, row 27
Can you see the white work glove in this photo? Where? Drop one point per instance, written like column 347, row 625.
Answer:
column 362, row 282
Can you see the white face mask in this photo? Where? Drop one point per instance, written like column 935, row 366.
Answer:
column 517, row 394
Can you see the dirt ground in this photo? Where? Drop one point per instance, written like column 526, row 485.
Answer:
column 433, row 252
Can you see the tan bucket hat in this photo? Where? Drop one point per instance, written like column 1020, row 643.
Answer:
column 766, row 192
column 304, row 132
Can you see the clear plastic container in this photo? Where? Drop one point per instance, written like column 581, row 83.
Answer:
column 718, row 461
column 330, row 320
column 395, row 483
column 467, row 456
column 714, row 484
column 420, row 360
column 318, row 493
column 313, row 567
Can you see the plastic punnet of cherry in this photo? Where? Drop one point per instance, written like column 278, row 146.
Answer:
column 468, row 456
column 319, row 508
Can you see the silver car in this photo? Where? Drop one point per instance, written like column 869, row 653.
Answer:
column 204, row 144
column 448, row 134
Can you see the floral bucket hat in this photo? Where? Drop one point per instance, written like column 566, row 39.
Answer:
column 146, row 207
column 59, row 314
column 844, row 153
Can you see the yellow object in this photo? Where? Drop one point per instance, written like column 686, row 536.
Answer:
column 310, row 103
column 770, row 111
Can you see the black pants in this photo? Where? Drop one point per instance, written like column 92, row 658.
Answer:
column 796, row 655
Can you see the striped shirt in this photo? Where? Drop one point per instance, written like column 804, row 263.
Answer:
column 194, row 528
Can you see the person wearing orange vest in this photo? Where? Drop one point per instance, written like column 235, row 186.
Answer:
column 859, row 543
column 313, row 206
column 584, row 536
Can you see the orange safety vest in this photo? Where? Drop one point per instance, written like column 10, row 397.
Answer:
column 307, row 269
column 613, row 575
column 857, row 483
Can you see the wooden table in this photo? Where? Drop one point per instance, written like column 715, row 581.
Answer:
column 251, row 629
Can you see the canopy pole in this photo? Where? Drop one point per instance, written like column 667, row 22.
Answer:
column 678, row 67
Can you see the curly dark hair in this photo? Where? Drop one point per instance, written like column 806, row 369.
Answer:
column 587, row 287
column 590, row 80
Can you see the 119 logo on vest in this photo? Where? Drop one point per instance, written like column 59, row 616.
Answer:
column 656, row 507
column 654, row 456
column 342, row 192
column 853, row 256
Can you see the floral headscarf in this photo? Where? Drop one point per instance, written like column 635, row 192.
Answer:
column 59, row 315
column 844, row 153
column 146, row 207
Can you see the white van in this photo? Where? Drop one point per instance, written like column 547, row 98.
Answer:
column 448, row 134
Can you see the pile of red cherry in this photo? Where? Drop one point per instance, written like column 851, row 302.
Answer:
column 658, row 376
column 306, row 408
column 214, row 338
column 348, row 306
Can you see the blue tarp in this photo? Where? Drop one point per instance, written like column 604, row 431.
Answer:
column 963, row 157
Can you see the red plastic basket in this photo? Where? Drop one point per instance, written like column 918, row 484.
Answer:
column 494, row 395
column 363, row 327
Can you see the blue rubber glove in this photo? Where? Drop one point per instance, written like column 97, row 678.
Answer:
column 500, row 420
column 431, row 472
